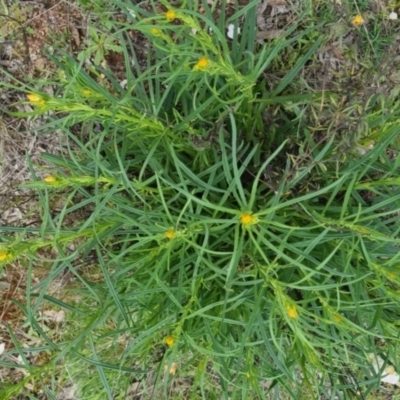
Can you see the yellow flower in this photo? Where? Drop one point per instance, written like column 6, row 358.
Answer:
column 50, row 179
column 86, row 92
column 4, row 256
column 156, row 32
column 202, row 63
column 170, row 15
column 357, row 20
column 392, row 275
column 35, row 99
column 169, row 341
column 248, row 219
column 291, row 312
column 170, row 234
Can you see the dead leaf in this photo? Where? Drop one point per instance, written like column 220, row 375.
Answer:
column 40, row 63
column 277, row 3
column 261, row 21
column 54, row 316
column 68, row 393
column 75, row 35
column 276, row 10
column 270, row 34
column 172, row 368
column 390, row 375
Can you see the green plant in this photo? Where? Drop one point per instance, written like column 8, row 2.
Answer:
column 99, row 46
column 243, row 254
column 11, row 18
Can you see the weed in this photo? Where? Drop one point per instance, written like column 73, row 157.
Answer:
column 239, row 255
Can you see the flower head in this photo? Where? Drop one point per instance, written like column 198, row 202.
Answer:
column 156, row 32
column 248, row 219
column 202, row 63
column 392, row 275
column 35, row 99
column 4, row 255
column 50, row 179
column 291, row 312
column 337, row 318
column 86, row 92
column 170, row 234
column 169, row 341
column 357, row 20
column 170, row 15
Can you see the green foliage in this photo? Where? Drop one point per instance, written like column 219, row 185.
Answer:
column 98, row 46
column 251, row 245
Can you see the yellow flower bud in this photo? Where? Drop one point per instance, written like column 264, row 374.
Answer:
column 4, row 255
column 202, row 63
column 337, row 318
column 170, row 234
column 35, row 99
column 170, row 15
column 291, row 312
column 50, row 179
column 169, row 341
